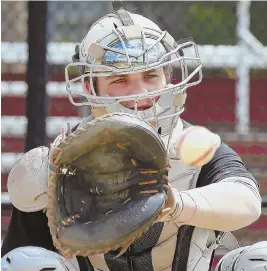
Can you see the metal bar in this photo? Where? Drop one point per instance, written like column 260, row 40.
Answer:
column 16, row 126
column 59, row 53
column 242, row 71
column 37, row 74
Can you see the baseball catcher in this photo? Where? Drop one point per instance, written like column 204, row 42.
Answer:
column 112, row 191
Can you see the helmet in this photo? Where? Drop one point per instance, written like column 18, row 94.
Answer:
column 125, row 43
column 32, row 258
column 249, row 258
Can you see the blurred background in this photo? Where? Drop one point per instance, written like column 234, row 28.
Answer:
column 38, row 40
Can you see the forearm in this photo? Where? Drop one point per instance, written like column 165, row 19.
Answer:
column 229, row 205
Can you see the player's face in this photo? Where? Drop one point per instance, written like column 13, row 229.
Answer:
column 130, row 84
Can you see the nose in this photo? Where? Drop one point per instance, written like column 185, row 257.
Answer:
column 137, row 86
column 140, row 87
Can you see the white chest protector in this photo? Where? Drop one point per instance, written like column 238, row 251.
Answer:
column 184, row 177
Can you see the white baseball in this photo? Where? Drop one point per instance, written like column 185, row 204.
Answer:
column 196, row 146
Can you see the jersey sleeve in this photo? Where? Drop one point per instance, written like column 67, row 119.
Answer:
column 225, row 163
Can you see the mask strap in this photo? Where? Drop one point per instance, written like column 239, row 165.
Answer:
column 125, row 17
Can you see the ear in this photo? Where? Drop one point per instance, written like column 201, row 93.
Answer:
column 87, row 87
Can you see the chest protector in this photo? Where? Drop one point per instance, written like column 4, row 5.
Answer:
column 166, row 246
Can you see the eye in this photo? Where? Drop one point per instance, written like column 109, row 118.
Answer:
column 122, row 80
column 151, row 75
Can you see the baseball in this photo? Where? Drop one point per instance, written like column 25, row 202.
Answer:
column 196, row 146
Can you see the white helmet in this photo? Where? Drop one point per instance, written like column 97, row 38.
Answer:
column 249, row 258
column 32, row 258
column 125, row 43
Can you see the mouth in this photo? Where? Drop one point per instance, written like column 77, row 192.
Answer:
column 141, row 108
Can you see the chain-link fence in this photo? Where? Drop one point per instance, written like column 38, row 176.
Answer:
column 214, row 27
column 212, row 23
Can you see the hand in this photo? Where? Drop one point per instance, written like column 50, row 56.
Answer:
column 173, row 205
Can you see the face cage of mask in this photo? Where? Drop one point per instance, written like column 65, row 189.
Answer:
column 174, row 90
column 104, row 101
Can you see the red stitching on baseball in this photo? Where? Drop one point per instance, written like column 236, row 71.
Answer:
column 202, row 156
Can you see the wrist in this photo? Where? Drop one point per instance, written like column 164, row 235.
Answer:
column 178, row 205
column 188, row 210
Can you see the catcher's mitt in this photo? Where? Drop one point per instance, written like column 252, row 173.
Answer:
column 107, row 185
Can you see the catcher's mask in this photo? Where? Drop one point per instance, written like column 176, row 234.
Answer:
column 126, row 43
